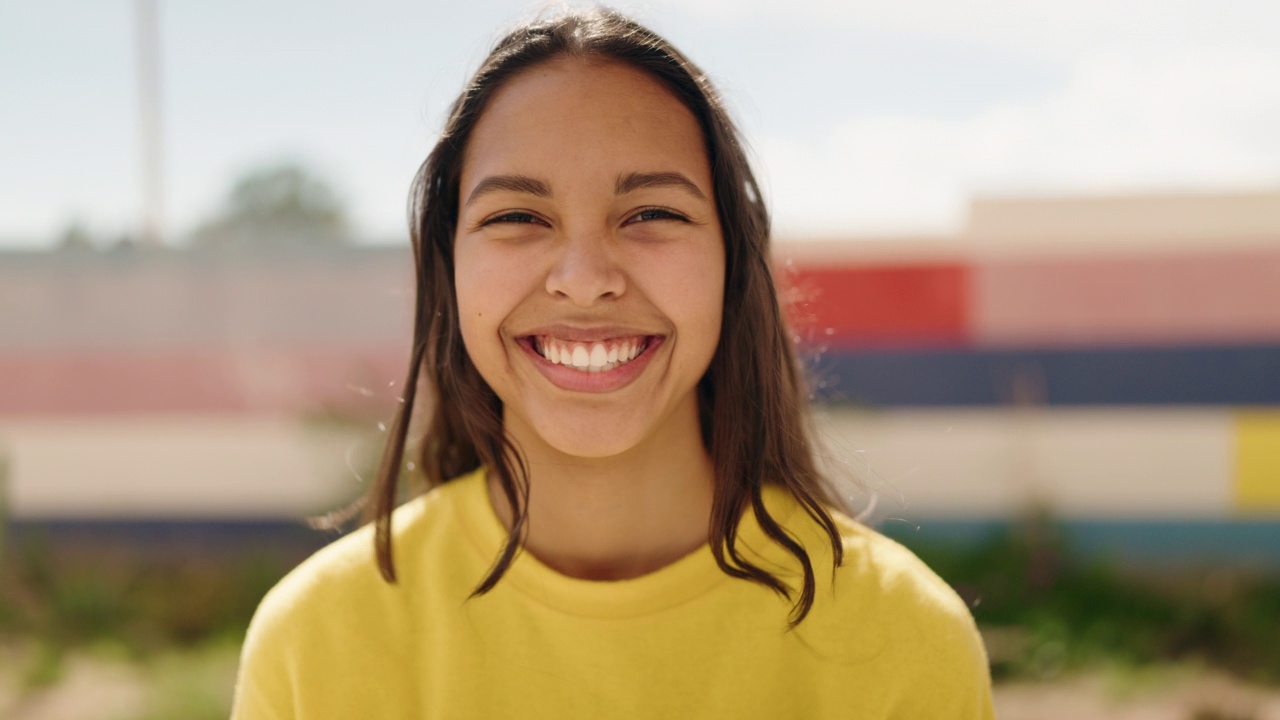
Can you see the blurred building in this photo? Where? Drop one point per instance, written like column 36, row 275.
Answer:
column 139, row 384
column 1114, row 360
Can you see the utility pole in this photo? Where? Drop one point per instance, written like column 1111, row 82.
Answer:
column 148, row 43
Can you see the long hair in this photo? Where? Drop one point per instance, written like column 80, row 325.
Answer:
column 752, row 400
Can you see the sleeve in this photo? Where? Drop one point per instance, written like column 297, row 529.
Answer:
column 954, row 678
column 964, row 684
column 942, row 666
column 264, row 680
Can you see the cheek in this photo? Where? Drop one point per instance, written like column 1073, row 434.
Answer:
column 486, row 292
column 711, row 300
column 707, row 295
column 693, row 292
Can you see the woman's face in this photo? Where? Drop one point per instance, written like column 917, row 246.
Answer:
column 589, row 257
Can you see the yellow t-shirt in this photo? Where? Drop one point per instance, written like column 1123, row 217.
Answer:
column 332, row 640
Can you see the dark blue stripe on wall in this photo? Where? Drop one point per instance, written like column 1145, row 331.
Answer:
column 161, row 538
column 1094, row 376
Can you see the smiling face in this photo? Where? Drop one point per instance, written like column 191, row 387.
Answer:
column 589, row 260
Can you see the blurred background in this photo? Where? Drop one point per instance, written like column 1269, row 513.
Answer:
column 1031, row 253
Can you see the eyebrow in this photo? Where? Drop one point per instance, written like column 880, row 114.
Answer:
column 626, row 183
column 637, row 180
column 514, row 183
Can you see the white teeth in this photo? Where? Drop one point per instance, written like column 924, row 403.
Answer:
column 599, row 355
column 588, row 357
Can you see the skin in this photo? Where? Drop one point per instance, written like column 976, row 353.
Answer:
column 620, row 483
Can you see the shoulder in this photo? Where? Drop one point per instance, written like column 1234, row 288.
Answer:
column 877, row 574
column 316, row 612
column 346, row 571
column 885, row 572
column 346, row 567
column 887, row 607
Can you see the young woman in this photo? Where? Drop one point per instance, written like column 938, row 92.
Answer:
column 624, row 517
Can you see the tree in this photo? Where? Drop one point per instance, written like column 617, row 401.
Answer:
column 282, row 204
column 75, row 237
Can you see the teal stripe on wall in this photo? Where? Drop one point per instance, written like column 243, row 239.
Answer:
column 1154, row 544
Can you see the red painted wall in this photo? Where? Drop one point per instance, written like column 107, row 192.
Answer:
column 356, row 381
column 866, row 306
column 1165, row 299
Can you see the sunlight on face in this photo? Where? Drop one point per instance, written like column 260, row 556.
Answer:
column 589, row 258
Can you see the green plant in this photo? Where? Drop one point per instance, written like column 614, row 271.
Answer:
column 44, row 667
column 67, row 600
column 1052, row 612
column 193, row 683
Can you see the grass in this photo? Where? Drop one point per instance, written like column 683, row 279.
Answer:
column 192, row 684
column 139, row 609
column 1046, row 612
column 44, row 666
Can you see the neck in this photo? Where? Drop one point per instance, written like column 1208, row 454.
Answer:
column 617, row 517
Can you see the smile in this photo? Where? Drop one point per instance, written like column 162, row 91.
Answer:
column 590, row 361
column 590, row 357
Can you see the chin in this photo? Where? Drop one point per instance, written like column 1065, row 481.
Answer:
column 588, row 440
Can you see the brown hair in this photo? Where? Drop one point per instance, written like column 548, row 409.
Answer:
column 752, row 400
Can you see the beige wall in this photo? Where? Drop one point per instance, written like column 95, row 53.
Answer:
column 1153, row 221
column 919, row 463
column 1117, row 462
column 159, row 301
column 181, row 467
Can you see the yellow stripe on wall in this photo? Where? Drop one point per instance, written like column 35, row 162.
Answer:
column 1257, row 486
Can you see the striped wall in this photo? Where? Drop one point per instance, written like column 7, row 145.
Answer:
column 357, row 380
column 1209, row 298
column 1227, row 300
column 1082, row 462
column 1103, row 384
column 1256, row 470
column 182, row 467
column 1240, row 375
column 912, row 464
column 1113, row 384
column 282, row 333
column 849, row 305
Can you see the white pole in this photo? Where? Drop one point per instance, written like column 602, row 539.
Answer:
column 148, row 43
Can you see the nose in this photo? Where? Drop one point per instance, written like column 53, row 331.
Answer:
column 586, row 270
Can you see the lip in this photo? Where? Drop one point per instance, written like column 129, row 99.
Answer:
column 589, row 382
column 588, row 334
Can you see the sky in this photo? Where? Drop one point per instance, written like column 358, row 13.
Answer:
column 879, row 117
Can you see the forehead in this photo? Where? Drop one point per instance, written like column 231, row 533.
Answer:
column 573, row 116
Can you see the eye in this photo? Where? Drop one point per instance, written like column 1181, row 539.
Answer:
column 516, row 216
column 655, row 213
